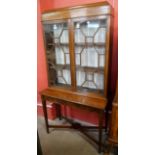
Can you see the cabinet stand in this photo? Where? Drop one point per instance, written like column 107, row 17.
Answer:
column 75, row 125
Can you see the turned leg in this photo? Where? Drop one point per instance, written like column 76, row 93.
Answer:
column 45, row 113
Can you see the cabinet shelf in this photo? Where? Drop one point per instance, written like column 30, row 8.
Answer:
column 58, row 44
column 84, row 89
column 90, row 69
column 77, row 44
column 89, row 44
column 103, row 26
column 80, row 68
column 60, row 66
column 61, row 85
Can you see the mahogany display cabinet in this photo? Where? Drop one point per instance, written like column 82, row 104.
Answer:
column 77, row 49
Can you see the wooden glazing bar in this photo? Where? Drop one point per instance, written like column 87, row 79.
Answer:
column 72, row 54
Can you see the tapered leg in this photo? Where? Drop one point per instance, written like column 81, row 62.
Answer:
column 110, row 146
column 58, row 111
column 45, row 113
column 100, row 130
column 39, row 149
column 106, row 119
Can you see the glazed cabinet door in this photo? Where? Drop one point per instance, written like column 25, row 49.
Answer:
column 56, row 37
column 90, row 36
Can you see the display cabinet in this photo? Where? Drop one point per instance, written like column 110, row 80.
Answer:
column 77, row 48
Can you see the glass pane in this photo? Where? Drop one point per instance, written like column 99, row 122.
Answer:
column 57, row 51
column 64, row 37
column 89, row 57
column 90, row 38
column 100, row 35
column 80, row 38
